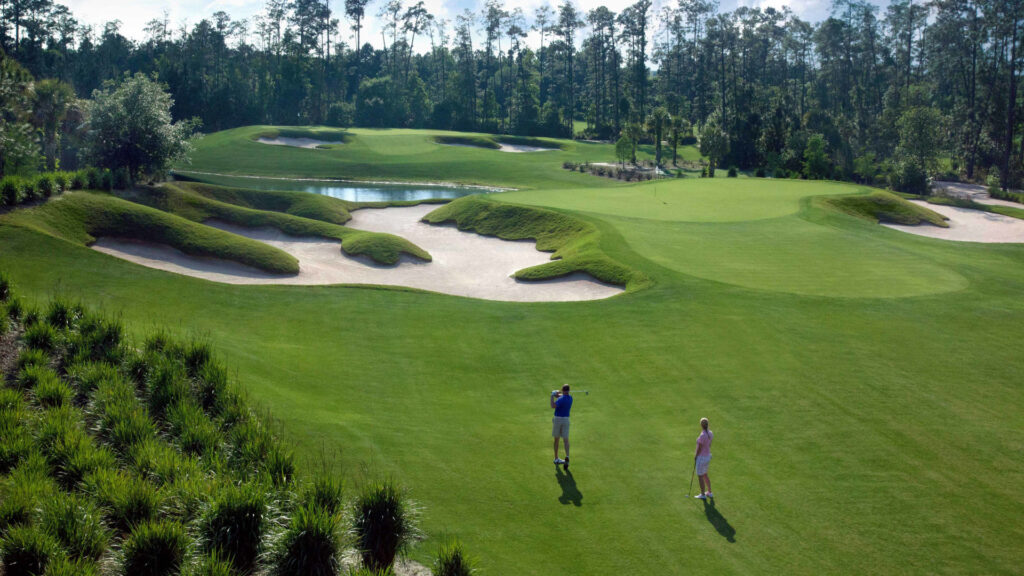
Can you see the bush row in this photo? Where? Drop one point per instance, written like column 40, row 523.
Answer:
column 626, row 174
column 15, row 190
column 145, row 460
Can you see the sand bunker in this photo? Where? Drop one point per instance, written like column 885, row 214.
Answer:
column 464, row 264
column 294, row 142
column 966, row 225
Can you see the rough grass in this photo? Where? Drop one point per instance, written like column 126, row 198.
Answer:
column 574, row 243
column 82, row 217
column 880, row 206
column 184, row 200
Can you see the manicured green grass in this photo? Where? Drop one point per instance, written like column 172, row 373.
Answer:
column 405, row 156
column 863, row 383
column 81, row 217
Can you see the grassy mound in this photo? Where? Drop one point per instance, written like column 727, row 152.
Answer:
column 574, row 242
column 332, row 136
column 81, row 217
column 886, row 207
column 196, row 206
column 531, row 141
column 468, row 140
column 304, row 204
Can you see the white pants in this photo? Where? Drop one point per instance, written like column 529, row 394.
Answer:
column 702, row 464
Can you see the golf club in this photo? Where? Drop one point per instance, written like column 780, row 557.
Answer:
column 689, row 491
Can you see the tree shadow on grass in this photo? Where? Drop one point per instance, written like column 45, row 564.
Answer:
column 718, row 521
column 570, row 493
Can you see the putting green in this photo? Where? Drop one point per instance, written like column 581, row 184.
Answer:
column 866, row 434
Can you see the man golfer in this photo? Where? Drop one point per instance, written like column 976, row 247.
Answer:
column 562, row 403
column 701, row 459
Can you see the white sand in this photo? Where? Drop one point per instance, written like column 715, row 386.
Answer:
column 966, row 225
column 294, row 142
column 464, row 264
column 975, row 192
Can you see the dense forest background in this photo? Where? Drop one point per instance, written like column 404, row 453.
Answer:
column 930, row 86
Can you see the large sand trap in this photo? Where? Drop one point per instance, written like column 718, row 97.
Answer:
column 966, row 225
column 464, row 264
column 294, row 142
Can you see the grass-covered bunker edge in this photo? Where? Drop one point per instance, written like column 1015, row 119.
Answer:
column 574, row 242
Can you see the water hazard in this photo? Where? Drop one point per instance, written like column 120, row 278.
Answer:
column 350, row 191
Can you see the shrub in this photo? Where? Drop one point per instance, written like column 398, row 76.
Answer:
column 26, row 551
column 234, row 524
column 63, row 181
column 51, row 393
column 121, row 179
column 383, row 524
column 79, row 180
column 106, row 180
column 94, row 179
column 910, row 178
column 452, row 560
column 76, row 523
column 127, row 501
column 733, row 172
column 154, row 549
column 41, row 336
column 310, row 546
column 760, row 172
column 12, row 191
column 46, row 186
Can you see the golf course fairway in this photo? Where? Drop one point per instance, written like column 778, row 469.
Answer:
column 864, row 385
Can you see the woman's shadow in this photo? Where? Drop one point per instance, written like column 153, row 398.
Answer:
column 570, row 493
column 718, row 521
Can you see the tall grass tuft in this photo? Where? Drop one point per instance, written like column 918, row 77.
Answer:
column 70, row 452
column 154, row 549
column 31, row 357
column 383, row 523
column 5, row 288
column 310, row 546
column 127, row 501
column 31, row 377
column 62, row 566
column 5, row 322
column 99, row 340
column 26, row 550
column 76, row 523
column 15, row 309
column 24, row 489
column 234, row 525
column 63, row 315
column 213, row 564
column 158, row 462
column 166, row 385
column 212, row 387
column 196, row 434
column 196, row 356
column 51, row 393
column 85, row 377
column 452, row 560
column 324, row 493
column 280, row 465
column 41, row 336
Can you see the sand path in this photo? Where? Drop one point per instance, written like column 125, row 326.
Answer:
column 966, row 225
column 294, row 142
column 464, row 263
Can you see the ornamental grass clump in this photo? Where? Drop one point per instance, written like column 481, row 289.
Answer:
column 235, row 523
column 310, row 546
column 5, row 288
column 154, row 548
column 41, row 336
column 166, row 385
column 213, row 564
column 31, row 357
column 34, row 375
column 192, row 430
column 383, row 524
column 324, row 493
column 26, row 550
column 452, row 560
column 77, row 523
column 127, row 501
column 51, row 393
column 62, row 566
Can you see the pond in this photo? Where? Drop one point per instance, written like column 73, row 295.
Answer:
column 350, row 191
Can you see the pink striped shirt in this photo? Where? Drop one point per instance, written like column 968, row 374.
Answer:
column 704, row 443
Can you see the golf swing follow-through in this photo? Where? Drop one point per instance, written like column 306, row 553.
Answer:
column 561, row 402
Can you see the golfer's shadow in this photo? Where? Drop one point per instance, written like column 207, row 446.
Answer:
column 719, row 521
column 570, row 493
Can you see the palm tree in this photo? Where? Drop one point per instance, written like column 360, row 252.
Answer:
column 656, row 124
column 634, row 132
column 680, row 127
column 50, row 106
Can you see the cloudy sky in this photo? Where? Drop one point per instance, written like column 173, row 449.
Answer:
column 134, row 14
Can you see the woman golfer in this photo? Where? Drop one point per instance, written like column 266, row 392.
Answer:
column 701, row 459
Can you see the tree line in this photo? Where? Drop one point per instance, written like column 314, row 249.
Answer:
column 917, row 89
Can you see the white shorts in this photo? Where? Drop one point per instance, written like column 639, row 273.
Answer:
column 560, row 427
column 702, row 464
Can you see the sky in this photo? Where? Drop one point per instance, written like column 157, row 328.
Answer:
column 134, row 14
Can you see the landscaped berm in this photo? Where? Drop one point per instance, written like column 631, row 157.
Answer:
column 199, row 373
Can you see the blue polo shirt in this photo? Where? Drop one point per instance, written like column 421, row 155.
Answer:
column 562, row 406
